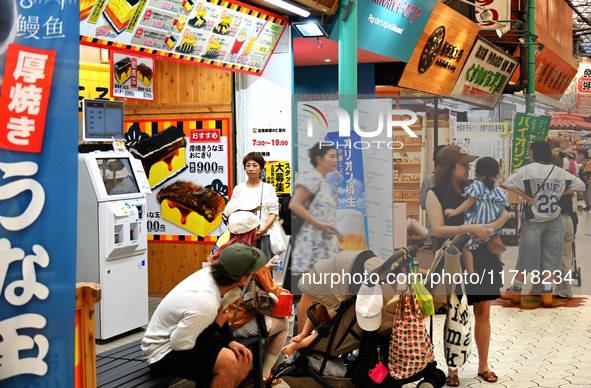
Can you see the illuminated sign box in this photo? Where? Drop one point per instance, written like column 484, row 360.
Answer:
column 441, row 52
column 229, row 36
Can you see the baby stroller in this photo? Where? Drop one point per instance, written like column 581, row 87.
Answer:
column 576, row 269
column 337, row 339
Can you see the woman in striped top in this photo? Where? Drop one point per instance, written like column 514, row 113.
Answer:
column 484, row 203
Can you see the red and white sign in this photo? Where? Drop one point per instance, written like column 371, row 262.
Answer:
column 584, row 81
column 500, row 10
column 205, row 136
column 25, row 94
column 584, row 87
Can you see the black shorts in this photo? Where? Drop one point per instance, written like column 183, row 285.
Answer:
column 195, row 364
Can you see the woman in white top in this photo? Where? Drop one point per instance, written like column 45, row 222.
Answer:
column 255, row 191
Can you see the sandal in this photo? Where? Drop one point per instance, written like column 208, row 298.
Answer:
column 452, row 381
column 275, row 381
column 488, row 376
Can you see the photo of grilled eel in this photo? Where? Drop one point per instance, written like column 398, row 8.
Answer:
column 191, row 207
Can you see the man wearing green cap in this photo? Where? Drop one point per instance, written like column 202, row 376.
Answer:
column 189, row 336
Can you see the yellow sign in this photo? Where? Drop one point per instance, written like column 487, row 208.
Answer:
column 94, row 82
column 278, row 174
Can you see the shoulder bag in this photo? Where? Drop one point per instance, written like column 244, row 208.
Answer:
column 273, row 242
column 457, row 331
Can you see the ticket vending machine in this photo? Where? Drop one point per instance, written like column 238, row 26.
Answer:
column 112, row 241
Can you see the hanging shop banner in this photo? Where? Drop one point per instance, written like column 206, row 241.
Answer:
column 187, row 163
column 390, row 28
column 378, row 173
column 485, row 139
column 584, row 88
column 132, row 76
column 38, row 185
column 527, row 128
column 320, row 121
column 499, row 10
column 553, row 73
column 221, row 34
column 485, row 75
column 440, row 54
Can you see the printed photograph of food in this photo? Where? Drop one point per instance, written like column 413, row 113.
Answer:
column 170, row 41
column 179, row 23
column 188, row 6
column 162, row 155
column 144, row 74
column 223, row 25
column 213, row 49
column 191, row 207
column 119, row 13
column 85, row 8
column 187, row 44
column 199, row 20
column 122, row 70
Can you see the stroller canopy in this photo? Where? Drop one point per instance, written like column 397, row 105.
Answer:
column 335, row 280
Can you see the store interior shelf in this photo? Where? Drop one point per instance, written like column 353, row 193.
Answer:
column 406, row 200
column 406, row 182
column 407, row 163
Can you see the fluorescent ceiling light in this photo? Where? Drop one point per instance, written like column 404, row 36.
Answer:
column 289, row 7
column 310, row 29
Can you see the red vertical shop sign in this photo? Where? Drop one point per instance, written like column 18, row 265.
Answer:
column 25, row 95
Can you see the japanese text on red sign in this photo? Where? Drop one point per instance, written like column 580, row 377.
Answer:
column 25, row 95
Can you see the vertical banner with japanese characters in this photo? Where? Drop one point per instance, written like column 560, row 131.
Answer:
column 527, row 128
column 189, row 181
column 38, row 188
column 318, row 121
column 584, row 88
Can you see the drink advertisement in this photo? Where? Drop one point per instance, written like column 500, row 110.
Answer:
column 363, row 176
column 229, row 36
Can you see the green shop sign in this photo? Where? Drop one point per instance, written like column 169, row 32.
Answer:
column 527, row 128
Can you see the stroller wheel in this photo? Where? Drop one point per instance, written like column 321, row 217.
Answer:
column 439, row 376
column 427, row 384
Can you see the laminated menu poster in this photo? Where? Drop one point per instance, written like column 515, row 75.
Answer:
column 231, row 36
column 187, row 166
column 132, row 76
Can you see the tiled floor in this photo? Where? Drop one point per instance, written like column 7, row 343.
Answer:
column 529, row 348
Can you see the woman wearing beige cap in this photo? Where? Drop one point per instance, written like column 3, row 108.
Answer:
column 450, row 179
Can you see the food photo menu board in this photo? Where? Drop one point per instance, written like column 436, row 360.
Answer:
column 233, row 36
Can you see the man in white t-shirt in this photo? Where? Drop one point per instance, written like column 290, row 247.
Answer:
column 542, row 184
column 189, row 336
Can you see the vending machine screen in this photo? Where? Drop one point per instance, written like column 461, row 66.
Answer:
column 117, row 175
